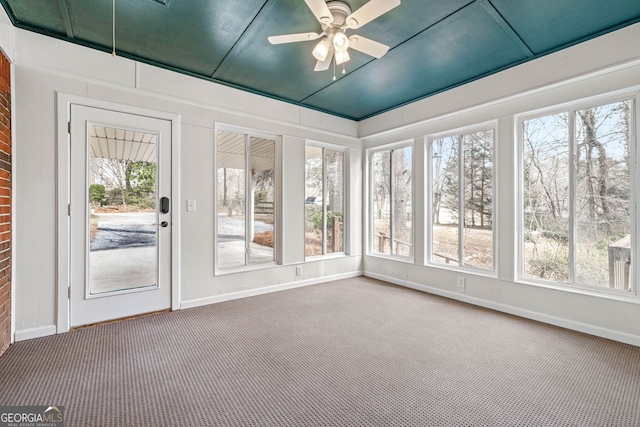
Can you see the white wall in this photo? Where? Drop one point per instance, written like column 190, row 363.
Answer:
column 602, row 66
column 45, row 67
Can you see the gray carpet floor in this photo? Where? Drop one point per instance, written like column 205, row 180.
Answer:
column 355, row 352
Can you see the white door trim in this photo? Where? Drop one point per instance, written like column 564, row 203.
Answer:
column 63, row 116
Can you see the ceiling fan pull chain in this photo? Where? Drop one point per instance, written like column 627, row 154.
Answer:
column 334, row 70
column 113, row 29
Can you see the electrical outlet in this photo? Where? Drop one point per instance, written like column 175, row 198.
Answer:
column 298, row 271
column 461, row 282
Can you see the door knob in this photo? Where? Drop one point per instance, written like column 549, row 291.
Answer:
column 164, row 224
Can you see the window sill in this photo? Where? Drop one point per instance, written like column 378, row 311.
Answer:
column 590, row 291
column 407, row 260
column 244, row 268
column 333, row 255
column 464, row 269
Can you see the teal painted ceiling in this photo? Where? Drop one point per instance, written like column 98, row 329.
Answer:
column 435, row 45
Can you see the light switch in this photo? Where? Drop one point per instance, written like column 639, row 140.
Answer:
column 191, row 205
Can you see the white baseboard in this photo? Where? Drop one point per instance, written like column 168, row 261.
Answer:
column 265, row 290
column 527, row 314
column 28, row 334
column 43, row 331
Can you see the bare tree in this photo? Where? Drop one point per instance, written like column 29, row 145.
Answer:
column 112, row 173
column 601, row 181
column 592, row 165
column 401, row 181
column 478, row 174
column 442, row 150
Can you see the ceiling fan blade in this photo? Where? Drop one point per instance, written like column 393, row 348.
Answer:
column 324, row 65
column 291, row 38
column 368, row 46
column 369, row 12
column 320, row 10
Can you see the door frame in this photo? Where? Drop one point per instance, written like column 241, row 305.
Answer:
column 63, row 183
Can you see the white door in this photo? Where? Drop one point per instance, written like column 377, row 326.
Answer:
column 120, row 215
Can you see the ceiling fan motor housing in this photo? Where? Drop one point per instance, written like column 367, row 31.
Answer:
column 339, row 10
column 334, row 31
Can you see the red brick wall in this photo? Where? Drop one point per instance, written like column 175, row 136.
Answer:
column 5, row 203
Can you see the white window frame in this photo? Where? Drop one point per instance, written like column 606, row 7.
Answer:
column 492, row 125
column 248, row 133
column 345, row 175
column 370, row 217
column 570, row 108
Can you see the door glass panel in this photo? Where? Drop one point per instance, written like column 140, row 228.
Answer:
column 231, row 199
column 262, row 169
column 122, row 209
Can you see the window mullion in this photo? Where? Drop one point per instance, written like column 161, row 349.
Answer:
column 635, row 185
column 372, row 202
column 324, row 201
column 573, row 176
column 429, row 196
column 248, row 209
column 461, row 188
column 391, row 203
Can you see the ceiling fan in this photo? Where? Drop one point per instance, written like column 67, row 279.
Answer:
column 336, row 18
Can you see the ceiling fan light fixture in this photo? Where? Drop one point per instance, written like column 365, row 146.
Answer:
column 340, row 42
column 335, row 18
column 321, row 50
column 342, row 57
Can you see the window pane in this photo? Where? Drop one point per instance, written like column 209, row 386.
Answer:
column 231, row 199
column 445, row 200
column 401, row 202
column 478, row 199
column 381, row 186
column 603, row 192
column 313, row 201
column 262, row 172
column 335, row 201
column 546, row 197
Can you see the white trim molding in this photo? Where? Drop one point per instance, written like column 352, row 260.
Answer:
column 63, row 116
column 29, row 334
column 197, row 302
column 527, row 314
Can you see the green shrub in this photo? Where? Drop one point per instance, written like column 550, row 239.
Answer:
column 261, row 196
column 141, row 201
column 316, row 219
column 96, row 193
